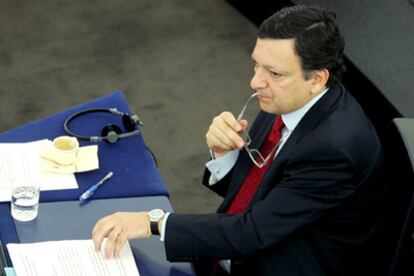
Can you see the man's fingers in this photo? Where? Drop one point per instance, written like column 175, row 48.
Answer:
column 224, row 132
column 109, row 248
column 97, row 236
column 222, row 137
column 215, row 143
column 232, row 137
column 119, row 227
column 231, row 121
column 243, row 123
column 111, row 241
column 122, row 238
column 100, row 230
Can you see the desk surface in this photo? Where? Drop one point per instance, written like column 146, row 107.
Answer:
column 68, row 220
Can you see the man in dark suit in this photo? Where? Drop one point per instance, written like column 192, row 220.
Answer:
column 300, row 196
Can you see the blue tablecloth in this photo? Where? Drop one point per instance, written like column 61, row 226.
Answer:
column 135, row 173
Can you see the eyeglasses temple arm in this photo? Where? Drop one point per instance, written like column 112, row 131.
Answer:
column 245, row 105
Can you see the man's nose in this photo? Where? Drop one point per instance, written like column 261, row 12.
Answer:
column 258, row 80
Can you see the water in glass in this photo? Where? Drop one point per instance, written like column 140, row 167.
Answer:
column 25, row 202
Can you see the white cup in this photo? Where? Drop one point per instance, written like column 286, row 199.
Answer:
column 24, row 200
column 65, row 150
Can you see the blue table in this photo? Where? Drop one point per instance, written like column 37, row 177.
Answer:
column 135, row 172
column 68, row 220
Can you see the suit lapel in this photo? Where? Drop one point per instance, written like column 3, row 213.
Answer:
column 316, row 114
column 310, row 121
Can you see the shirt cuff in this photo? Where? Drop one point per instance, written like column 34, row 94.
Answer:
column 221, row 166
column 226, row 265
column 163, row 224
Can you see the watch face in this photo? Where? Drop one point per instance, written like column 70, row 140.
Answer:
column 156, row 214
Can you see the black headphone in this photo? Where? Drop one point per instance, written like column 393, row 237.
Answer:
column 110, row 133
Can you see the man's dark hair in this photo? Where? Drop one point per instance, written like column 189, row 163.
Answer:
column 318, row 42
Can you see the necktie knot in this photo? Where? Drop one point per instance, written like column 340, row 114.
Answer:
column 276, row 132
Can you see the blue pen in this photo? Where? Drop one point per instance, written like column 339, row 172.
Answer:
column 89, row 193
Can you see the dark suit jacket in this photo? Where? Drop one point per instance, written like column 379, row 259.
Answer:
column 315, row 211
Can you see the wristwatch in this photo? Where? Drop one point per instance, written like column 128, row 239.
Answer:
column 155, row 215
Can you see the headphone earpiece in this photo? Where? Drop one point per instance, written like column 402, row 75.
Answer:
column 110, row 133
column 128, row 123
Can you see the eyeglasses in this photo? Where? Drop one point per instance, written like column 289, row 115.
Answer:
column 254, row 154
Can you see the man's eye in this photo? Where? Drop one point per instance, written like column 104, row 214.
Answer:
column 275, row 74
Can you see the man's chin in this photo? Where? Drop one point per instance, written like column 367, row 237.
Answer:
column 268, row 109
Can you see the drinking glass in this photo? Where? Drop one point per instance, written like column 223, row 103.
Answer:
column 24, row 200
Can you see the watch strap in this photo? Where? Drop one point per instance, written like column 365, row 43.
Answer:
column 154, row 228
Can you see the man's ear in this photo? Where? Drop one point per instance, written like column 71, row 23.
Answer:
column 319, row 79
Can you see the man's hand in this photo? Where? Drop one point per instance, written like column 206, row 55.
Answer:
column 223, row 134
column 120, row 227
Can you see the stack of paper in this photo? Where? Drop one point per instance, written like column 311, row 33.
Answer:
column 69, row 258
column 20, row 162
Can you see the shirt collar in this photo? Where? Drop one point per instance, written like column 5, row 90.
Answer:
column 293, row 118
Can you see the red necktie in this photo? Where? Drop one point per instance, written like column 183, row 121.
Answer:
column 253, row 179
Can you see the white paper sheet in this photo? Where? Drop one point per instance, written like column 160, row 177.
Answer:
column 69, row 258
column 20, row 162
